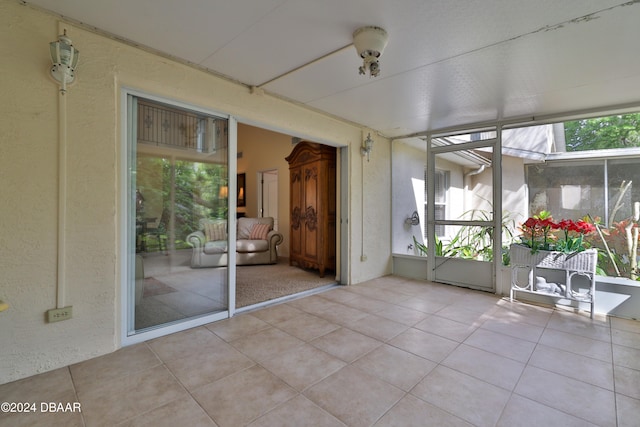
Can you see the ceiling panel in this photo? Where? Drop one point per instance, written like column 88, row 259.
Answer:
column 447, row 62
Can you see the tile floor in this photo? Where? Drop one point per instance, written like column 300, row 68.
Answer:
column 388, row 352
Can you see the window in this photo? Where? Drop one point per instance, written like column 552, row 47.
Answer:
column 442, row 189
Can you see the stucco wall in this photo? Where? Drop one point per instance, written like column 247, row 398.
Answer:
column 29, row 171
column 408, row 196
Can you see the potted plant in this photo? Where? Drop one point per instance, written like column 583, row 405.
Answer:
column 558, row 246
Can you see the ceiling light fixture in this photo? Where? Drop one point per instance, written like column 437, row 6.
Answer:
column 370, row 43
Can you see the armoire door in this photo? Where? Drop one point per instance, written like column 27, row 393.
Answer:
column 311, row 191
column 296, row 197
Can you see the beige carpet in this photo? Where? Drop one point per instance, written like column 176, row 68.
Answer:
column 259, row 283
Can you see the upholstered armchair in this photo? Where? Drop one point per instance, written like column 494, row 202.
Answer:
column 256, row 242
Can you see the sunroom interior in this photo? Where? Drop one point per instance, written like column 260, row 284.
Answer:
column 537, row 173
column 471, row 96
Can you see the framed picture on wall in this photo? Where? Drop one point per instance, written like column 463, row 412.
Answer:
column 242, row 190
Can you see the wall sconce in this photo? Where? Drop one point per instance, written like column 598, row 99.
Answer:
column 414, row 219
column 368, row 146
column 224, row 192
column 64, row 58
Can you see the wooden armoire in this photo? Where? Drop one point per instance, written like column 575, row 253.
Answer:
column 312, row 170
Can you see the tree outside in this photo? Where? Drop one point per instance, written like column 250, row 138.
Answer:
column 619, row 131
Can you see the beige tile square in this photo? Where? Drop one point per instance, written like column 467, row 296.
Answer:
column 480, row 302
column 404, row 315
column 342, row 314
column 626, row 356
column 266, row 344
column 184, row 344
column 627, row 325
column 366, row 304
column 522, row 313
column 122, row 362
column 490, row 367
column 581, row 325
column 552, row 390
column 303, row 366
column 628, row 382
column 346, row 344
column 46, row 387
column 411, row 411
column 208, row 366
column 378, row 293
column 410, row 287
column 521, row 411
column 277, row 313
column 424, row 344
column 395, row 366
column 340, row 294
column 307, row 326
column 357, row 399
column 625, row 338
column 474, row 401
column 462, row 314
column 520, row 330
column 297, row 412
column 628, row 410
column 242, row 397
column 578, row 367
column 426, row 304
column 122, row 398
column 314, row 304
column 378, row 327
column 446, row 328
column 180, row 412
column 502, row 345
column 390, row 282
column 237, row 327
column 577, row 344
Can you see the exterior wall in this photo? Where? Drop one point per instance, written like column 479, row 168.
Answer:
column 408, row 196
column 515, row 200
column 29, row 168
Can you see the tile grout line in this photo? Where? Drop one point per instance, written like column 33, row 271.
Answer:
column 75, row 393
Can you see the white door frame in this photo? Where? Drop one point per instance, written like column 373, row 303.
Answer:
column 126, row 261
column 468, row 274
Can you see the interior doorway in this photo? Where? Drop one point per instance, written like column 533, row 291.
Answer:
column 268, row 195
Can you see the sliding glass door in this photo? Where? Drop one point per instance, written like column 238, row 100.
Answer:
column 178, row 182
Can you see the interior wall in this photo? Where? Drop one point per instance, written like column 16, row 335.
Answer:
column 262, row 150
column 93, row 233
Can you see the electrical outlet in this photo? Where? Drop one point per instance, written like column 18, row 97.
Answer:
column 58, row 314
column 363, row 258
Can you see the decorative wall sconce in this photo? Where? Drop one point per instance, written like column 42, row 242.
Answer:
column 365, row 150
column 64, row 58
column 414, row 219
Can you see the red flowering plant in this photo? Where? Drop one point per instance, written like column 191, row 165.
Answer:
column 535, row 231
column 540, row 233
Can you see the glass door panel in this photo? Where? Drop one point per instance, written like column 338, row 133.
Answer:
column 178, row 182
column 460, row 208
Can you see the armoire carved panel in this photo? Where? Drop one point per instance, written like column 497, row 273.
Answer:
column 312, row 169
